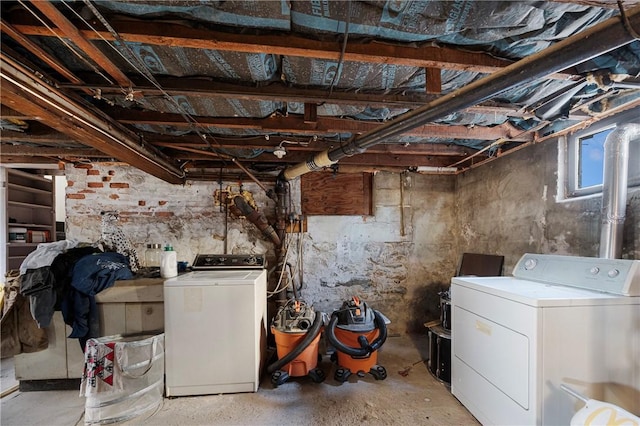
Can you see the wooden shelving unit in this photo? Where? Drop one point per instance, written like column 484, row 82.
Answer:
column 30, row 204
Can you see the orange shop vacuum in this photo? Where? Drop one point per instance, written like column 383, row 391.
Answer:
column 296, row 328
column 357, row 332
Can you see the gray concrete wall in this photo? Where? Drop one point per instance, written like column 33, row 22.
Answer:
column 369, row 256
column 509, row 207
column 397, row 270
column 397, row 263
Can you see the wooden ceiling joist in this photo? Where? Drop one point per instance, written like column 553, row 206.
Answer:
column 10, row 114
column 433, row 149
column 323, row 125
column 366, row 159
column 277, row 91
column 171, row 34
column 68, row 29
column 23, row 150
column 60, row 144
column 29, row 96
column 40, row 53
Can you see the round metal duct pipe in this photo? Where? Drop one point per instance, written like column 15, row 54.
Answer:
column 614, row 188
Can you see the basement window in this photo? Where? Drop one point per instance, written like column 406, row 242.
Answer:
column 585, row 157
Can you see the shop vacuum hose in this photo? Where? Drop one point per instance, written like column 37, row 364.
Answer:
column 311, row 335
column 366, row 348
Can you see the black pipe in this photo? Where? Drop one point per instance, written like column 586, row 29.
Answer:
column 365, row 348
column 257, row 218
column 311, row 334
column 602, row 38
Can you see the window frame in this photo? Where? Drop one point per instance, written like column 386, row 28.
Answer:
column 572, row 177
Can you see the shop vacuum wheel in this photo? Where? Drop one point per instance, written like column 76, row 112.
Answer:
column 279, row 377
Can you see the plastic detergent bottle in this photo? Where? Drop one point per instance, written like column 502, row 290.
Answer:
column 169, row 262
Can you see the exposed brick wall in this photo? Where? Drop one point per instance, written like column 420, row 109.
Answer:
column 153, row 211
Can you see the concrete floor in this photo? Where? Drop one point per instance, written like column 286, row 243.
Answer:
column 414, row 397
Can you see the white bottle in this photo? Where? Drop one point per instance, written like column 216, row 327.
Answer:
column 169, row 263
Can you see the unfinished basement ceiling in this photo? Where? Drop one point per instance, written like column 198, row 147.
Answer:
column 185, row 89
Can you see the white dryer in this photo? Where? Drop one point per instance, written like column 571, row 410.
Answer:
column 558, row 320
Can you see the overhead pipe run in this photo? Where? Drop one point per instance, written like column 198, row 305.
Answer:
column 602, row 38
column 614, row 188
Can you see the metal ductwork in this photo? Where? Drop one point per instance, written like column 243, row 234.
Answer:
column 602, row 38
column 614, row 188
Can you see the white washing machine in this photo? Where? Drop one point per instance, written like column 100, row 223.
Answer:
column 558, row 320
column 216, row 326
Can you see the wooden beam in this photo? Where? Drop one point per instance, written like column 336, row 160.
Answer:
column 26, row 159
column 169, row 34
column 29, row 151
column 310, row 113
column 428, row 149
column 69, row 30
column 324, row 125
column 366, row 159
column 205, row 87
column 433, row 78
column 277, row 91
column 7, row 113
column 40, row 54
column 61, row 143
column 23, row 93
column 610, row 4
column 50, row 138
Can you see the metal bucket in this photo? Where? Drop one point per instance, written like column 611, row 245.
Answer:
column 445, row 309
column 440, row 353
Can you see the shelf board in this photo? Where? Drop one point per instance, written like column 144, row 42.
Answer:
column 28, row 189
column 29, row 205
column 28, row 225
column 23, row 245
column 27, row 175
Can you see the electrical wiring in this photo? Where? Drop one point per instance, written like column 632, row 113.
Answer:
column 343, row 50
column 140, row 67
column 299, row 264
column 64, row 42
column 278, row 288
column 137, row 64
column 282, row 286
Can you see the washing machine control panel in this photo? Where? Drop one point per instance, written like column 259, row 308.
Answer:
column 229, row 261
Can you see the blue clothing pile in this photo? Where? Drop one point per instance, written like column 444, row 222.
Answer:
column 69, row 283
